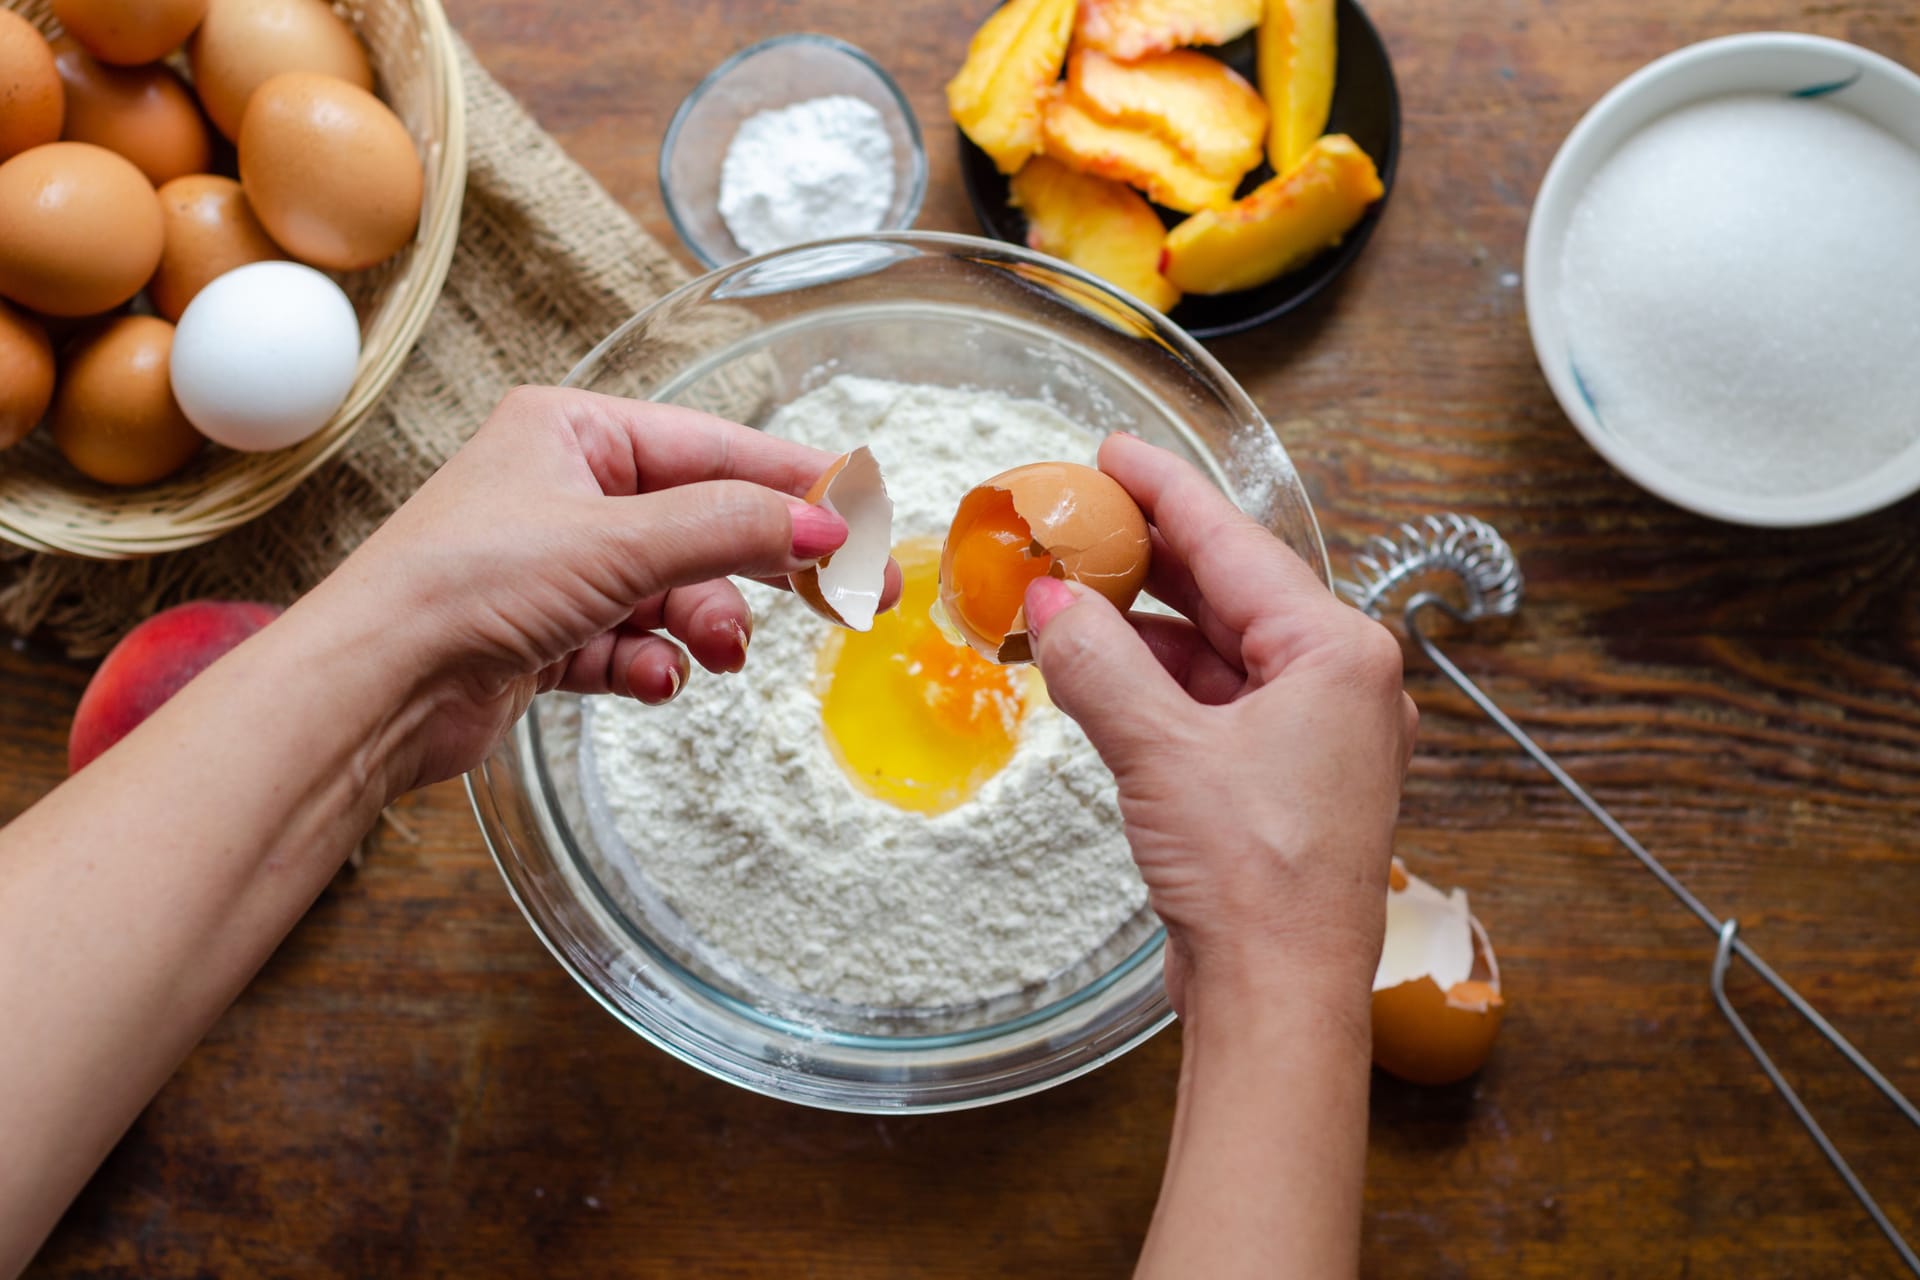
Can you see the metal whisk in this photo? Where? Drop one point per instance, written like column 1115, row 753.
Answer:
column 1472, row 552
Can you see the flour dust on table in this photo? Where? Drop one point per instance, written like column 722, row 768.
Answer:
column 734, row 811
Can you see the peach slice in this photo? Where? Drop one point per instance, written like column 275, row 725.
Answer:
column 1278, row 225
column 1015, row 57
column 1098, row 225
column 1130, row 29
column 1081, row 140
column 1197, row 103
column 1295, row 55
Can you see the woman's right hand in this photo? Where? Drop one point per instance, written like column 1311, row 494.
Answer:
column 1259, row 744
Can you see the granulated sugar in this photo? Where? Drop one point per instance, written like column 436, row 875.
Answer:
column 734, row 811
column 1741, row 291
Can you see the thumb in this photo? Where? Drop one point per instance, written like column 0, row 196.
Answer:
column 713, row 529
column 1099, row 671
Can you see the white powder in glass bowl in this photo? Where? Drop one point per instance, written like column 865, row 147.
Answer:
column 735, row 813
column 811, row 171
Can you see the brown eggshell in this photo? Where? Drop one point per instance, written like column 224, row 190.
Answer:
column 146, row 114
column 31, row 101
column 1427, row 1036
column 1420, row 1033
column 129, row 32
column 844, row 587
column 330, row 172
column 26, row 374
column 242, row 44
column 1079, row 515
column 79, row 229
column 114, row 417
column 209, row 230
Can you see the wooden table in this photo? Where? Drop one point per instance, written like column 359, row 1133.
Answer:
column 413, row 1086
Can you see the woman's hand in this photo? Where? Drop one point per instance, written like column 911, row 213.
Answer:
column 579, row 542
column 1259, row 747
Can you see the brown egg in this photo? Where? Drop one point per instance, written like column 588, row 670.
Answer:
column 146, row 114
column 26, row 374
column 79, row 229
column 330, row 171
column 129, row 32
column 1437, row 1001
column 1046, row 519
column 115, row 418
column 209, row 230
column 245, row 43
column 30, row 96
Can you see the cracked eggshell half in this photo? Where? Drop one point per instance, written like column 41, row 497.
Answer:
column 844, row 586
column 1436, row 995
column 1058, row 519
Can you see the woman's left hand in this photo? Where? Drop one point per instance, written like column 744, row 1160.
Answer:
column 577, row 542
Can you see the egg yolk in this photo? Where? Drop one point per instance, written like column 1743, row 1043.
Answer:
column 993, row 560
column 913, row 718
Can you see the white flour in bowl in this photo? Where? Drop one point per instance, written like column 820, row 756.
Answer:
column 734, row 810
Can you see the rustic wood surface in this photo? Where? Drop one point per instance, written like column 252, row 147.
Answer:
column 414, row 1087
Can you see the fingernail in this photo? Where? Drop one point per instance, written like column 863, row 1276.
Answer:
column 675, row 678
column 740, row 638
column 1046, row 597
column 816, row 530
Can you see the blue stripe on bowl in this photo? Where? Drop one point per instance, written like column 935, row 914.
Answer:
column 1586, row 393
column 1830, row 86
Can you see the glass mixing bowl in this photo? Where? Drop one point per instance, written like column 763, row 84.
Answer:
column 742, row 341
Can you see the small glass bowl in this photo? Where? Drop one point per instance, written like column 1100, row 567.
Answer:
column 772, row 74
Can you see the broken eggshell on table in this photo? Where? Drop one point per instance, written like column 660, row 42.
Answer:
column 1437, row 1004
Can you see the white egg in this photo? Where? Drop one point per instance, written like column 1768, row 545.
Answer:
column 264, row 355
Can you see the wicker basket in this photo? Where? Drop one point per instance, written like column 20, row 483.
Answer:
column 47, row 506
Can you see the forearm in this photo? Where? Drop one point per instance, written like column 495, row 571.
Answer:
column 1268, row 1157
column 139, row 897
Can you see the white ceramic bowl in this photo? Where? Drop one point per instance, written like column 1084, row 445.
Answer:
column 1873, row 87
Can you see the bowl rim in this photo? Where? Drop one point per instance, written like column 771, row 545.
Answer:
column 1338, row 259
column 1186, row 344
column 1579, row 156
column 917, row 179
column 492, row 797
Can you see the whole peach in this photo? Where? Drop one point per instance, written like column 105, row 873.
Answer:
column 153, row 662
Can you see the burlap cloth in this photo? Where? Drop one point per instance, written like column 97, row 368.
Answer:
column 547, row 264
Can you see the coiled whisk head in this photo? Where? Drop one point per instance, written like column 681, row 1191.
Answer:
column 1466, row 547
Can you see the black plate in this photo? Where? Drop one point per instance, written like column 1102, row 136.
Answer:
column 1366, row 107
